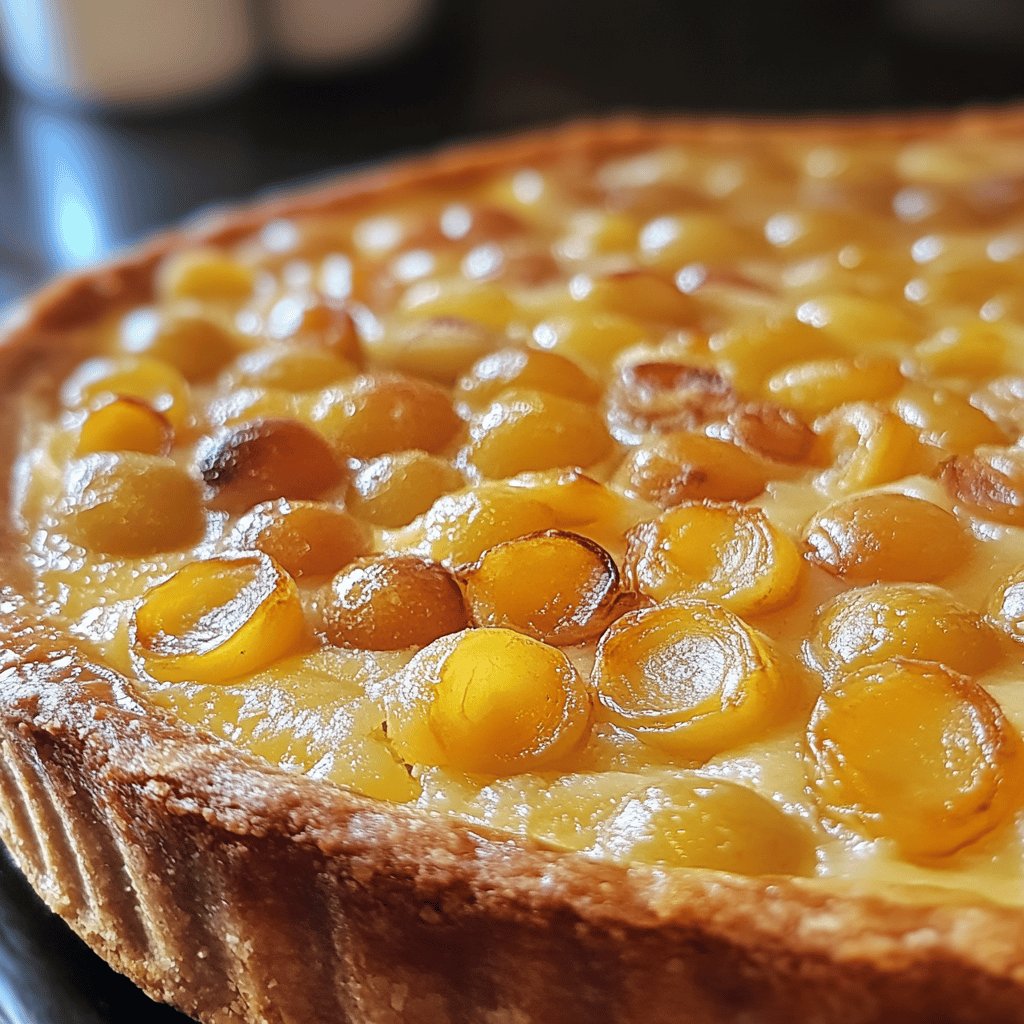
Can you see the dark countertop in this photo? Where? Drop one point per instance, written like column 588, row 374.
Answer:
column 75, row 188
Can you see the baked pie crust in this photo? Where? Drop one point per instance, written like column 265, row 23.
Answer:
column 240, row 892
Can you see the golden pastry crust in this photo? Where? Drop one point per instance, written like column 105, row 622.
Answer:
column 240, row 893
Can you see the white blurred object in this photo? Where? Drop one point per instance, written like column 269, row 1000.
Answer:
column 128, row 53
column 161, row 53
column 340, row 32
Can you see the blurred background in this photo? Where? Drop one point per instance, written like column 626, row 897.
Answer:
column 118, row 117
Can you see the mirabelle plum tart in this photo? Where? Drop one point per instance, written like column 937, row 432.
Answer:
column 153, row 381
column 308, row 539
column 125, row 424
column 490, row 701
column 687, row 466
column 873, row 537
column 728, row 553
column 683, row 819
column 661, row 508
column 1006, row 606
column 889, row 620
column 692, row 678
column 196, row 342
column 554, row 586
column 933, row 788
column 217, row 620
column 391, row 603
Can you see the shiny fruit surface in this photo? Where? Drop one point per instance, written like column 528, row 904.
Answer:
column 727, row 553
column 218, row 619
column 490, row 701
column 387, row 603
column 691, row 678
column 931, row 789
column 901, row 620
column 555, row 586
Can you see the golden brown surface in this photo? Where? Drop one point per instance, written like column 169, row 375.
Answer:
column 793, row 949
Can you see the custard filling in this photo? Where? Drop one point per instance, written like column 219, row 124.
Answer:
column 664, row 507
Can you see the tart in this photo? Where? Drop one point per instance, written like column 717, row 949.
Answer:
column 572, row 578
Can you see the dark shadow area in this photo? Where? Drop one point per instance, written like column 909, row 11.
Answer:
column 47, row 976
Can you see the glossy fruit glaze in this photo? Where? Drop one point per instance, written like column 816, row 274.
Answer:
column 664, row 506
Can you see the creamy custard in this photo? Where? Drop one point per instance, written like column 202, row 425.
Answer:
column 666, row 508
